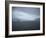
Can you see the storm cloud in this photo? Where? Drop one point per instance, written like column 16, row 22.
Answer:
column 25, row 14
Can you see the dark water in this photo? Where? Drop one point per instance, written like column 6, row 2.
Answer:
column 26, row 25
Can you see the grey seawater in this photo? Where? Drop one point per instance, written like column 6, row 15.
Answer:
column 26, row 25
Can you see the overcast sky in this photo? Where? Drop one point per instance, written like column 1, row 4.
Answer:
column 25, row 13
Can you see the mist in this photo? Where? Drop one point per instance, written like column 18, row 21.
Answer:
column 25, row 14
column 25, row 18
